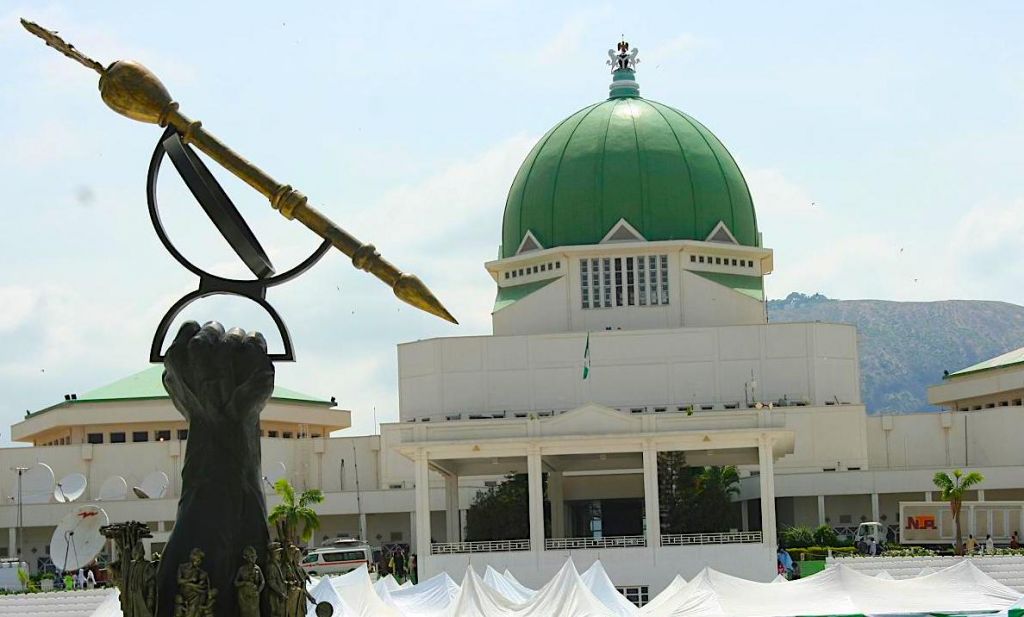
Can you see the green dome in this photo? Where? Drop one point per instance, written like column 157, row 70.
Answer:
column 627, row 158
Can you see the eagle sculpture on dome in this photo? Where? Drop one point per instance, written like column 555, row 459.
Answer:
column 623, row 59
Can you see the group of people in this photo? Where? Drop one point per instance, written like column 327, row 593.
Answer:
column 786, row 566
column 988, row 547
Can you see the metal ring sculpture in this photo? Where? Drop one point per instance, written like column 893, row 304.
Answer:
column 229, row 222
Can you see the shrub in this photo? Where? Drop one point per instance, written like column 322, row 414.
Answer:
column 825, row 536
column 820, row 552
column 796, row 537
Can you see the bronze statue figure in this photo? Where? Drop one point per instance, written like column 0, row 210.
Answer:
column 195, row 597
column 249, row 583
column 135, row 587
column 277, row 585
column 297, row 579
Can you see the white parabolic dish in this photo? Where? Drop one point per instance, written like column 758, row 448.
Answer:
column 37, row 484
column 154, row 486
column 114, row 488
column 272, row 473
column 70, row 488
column 77, row 540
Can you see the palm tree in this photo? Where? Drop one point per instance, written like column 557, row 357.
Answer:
column 288, row 515
column 953, row 489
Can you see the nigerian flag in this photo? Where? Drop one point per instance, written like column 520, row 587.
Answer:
column 586, row 358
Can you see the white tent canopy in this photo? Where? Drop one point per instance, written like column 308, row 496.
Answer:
column 837, row 590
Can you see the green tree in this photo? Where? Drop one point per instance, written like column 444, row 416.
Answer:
column 293, row 518
column 696, row 499
column 953, row 489
column 502, row 512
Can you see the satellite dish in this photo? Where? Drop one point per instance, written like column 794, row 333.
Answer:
column 37, row 484
column 77, row 540
column 272, row 473
column 114, row 488
column 70, row 488
column 154, row 486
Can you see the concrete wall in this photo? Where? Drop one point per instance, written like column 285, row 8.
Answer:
column 949, row 439
column 816, row 363
column 693, row 300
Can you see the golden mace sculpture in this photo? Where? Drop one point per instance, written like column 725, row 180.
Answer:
column 134, row 91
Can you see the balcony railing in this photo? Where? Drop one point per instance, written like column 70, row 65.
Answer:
column 490, row 546
column 732, row 537
column 563, row 544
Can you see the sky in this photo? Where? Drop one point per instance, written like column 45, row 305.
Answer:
column 881, row 141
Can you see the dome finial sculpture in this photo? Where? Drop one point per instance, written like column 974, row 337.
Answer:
column 623, row 61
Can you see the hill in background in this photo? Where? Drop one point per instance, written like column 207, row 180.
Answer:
column 905, row 346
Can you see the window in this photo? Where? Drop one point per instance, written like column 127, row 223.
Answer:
column 734, row 262
column 311, row 558
column 584, row 284
column 513, row 274
column 138, row 436
column 344, row 556
column 701, row 259
column 163, row 435
column 117, row 438
column 624, row 281
column 182, row 434
column 638, row 594
column 94, row 438
column 718, row 261
column 272, row 433
column 558, row 265
column 543, row 267
column 693, row 258
column 506, row 276
column 287, row 434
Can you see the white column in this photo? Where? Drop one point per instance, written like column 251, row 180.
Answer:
column 927, row 495
column 652, row 509
column 556, row 495
column 451, row 508
column 536, row 492
column 12, row 542
column 876, row 511
column 981, row 494
column 767, row 479
column 412, row 528
column 745, row 515
column 363, row 532
column 821, row 509
column 422, row 510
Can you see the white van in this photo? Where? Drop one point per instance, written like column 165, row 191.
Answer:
column 339, row 557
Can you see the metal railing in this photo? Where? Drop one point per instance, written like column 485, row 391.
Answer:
column 490, row 546
column 562, row 544
column 689, row 539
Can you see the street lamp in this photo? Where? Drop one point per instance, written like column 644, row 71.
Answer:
column 21, row 516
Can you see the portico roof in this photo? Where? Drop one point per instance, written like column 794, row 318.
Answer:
column 591, row 437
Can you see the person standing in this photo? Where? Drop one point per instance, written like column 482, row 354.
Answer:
column 971, row 545
column 873, row 547
column 990, row 545
column 90, row 579
column 1014, row 540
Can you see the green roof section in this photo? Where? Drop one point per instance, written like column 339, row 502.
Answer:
column 148, row 385
column 627, row 158
column 752, row 286
column 1010, row 358
column 508, row 296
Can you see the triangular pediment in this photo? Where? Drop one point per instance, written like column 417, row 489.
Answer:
column 623, row 232
column 529, row 243
column 721, row 234
column 591, row 419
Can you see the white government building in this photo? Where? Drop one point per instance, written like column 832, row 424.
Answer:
column 630, row 249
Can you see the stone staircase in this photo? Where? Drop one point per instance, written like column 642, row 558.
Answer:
column 1007, row 569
